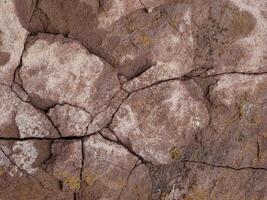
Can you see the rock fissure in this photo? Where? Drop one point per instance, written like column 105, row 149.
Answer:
column 133, row 99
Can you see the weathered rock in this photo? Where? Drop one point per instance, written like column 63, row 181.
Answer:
column 192, row 181
column 66, row 162
column 106, row 169
column 104, row 117
column 135, row 100
column 139, row 184
column 22, row 167
column 159, row 121
column 237, row 137
column 106, row 133
column 112, row 11
column 80, row 80
column 159, row 43
column 12, row 39
column 70, row 120
column 19, row 119
column 230, row 36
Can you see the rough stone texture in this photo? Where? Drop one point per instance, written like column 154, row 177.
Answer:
column 107, row 167
column 66, row 163
column 133, row 99
column 12, row 39
column 80, row 79
column 20, row 119
column 23, row 167
column 157, row 122
column 193, row 181
column 70, row 120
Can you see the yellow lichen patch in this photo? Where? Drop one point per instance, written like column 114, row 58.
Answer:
column 198, row 195
column 145, row 40
column 88, row 179
column 172, row 21
column 130, row 28
column 175, row 154
column 2, row 171
column 256, row 119
column 72, row 181
column 264, row 134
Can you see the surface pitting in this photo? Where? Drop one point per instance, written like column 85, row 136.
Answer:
column 133, row 100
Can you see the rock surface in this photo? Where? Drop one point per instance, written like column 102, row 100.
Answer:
column 133, row 99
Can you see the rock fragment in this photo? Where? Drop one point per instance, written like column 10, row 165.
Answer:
column 12, row 39
column 70, row 120
column 81, row 80
column 66, row 163
column 107, row 166
column 193, row 181
column 20, row 119
column 158, row 122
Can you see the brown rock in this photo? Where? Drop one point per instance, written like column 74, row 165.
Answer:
column 106, row 169
column 192, row 181
column 70, row 120
column 160, row 42
column 21, row 166
column 139, row 184
column 12, row 39
column 104, row 117
column 237, row 137
column 81, row 80
column 230, row 36
column 65, row 163
column 159, row 121
column 19, row 119
column 137, row 100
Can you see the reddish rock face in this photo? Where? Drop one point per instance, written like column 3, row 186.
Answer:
column 64, row 72
column 133, row 100
column 70, row 120
column 158, row 121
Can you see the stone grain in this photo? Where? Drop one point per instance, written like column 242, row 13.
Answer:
column 133, row 100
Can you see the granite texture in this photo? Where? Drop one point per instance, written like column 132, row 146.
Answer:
column 133, row 100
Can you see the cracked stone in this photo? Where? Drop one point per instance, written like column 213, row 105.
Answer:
column 138, row 100
column 103, row 118
column 192, row 181
column 22, row 167
column 65, row 163
column 81, row 79
column 156, row 46
column 70, row 120
column 238, row 119
column 106, row 133
column 12, row 39
column 19, row 119
column 107, row 166
column 156, row 120
column 139, row 184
